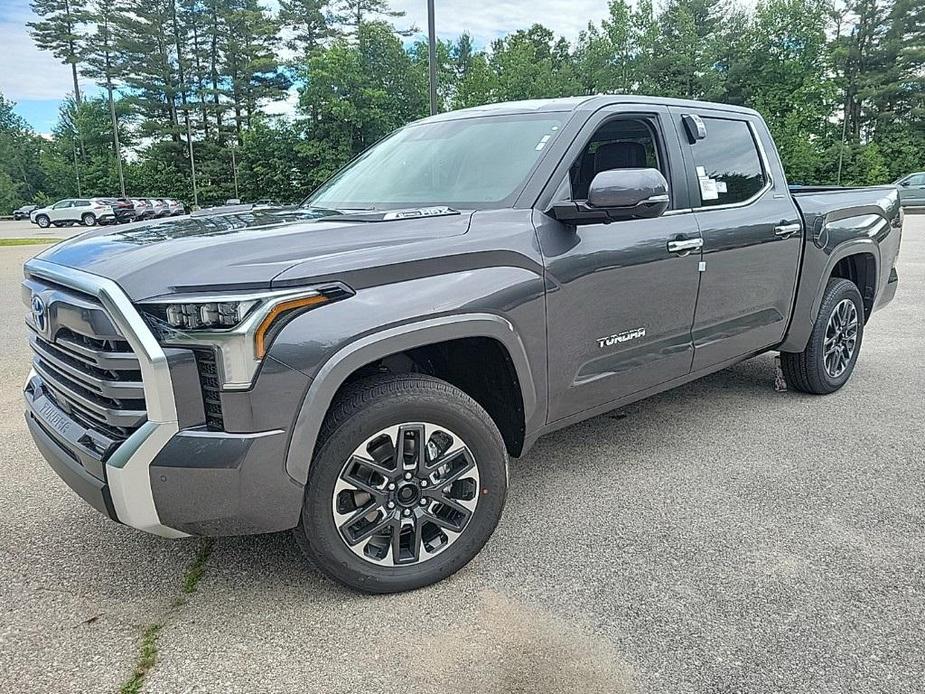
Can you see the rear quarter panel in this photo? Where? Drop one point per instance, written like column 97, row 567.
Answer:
column 839, row 223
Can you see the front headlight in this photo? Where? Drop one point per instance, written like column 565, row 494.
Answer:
column 238, row 327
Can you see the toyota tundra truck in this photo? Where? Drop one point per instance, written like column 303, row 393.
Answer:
column 360, row 369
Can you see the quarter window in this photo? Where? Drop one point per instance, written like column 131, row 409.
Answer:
column 728, row 165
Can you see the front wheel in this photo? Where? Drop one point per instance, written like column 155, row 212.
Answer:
column 832, row 351
column 407, row 484
column 43, row 221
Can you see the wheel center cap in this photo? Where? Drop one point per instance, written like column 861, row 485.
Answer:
column 408, row 494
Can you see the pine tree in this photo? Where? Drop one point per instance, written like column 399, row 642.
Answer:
column 311, row 23
column 101, row 64
column 353, row 13
column 60, row 32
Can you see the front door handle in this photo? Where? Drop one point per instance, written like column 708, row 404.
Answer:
column 785, row 231
column 684, row 246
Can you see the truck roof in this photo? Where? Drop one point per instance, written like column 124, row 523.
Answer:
column 579, row 103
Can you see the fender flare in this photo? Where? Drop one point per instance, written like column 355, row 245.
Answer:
column 854, row 247
column 369, row 348
column 806, row 310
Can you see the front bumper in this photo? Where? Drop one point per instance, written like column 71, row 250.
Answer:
column 171, row 477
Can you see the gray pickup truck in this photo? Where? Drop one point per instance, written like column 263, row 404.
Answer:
column 360, row 368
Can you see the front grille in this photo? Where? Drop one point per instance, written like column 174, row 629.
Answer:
column 87, row 367
column 211, row 389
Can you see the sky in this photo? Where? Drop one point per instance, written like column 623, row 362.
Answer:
column 37, row 82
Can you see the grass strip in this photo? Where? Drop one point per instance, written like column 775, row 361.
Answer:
column 147, row 649
column 27, row 241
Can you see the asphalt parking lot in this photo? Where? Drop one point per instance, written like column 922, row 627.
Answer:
column 23, row 228
column 721, row 537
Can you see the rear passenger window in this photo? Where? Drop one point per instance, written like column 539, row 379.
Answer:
column 728, row 165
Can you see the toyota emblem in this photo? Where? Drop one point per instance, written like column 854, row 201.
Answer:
column 39, row 313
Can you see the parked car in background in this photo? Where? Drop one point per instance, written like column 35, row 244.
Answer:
column 23, row 212
column 912, row 189
column 123, row 208
column 86, row 211
column 160, row 207
column 176, row 207
column 143, row 208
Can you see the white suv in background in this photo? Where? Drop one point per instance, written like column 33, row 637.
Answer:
column 86, row 211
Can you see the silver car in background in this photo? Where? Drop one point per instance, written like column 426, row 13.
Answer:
column 912, row 190
column 143, row 208
column 160, row 208
column 176, row 207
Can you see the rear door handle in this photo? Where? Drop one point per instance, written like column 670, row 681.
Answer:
column 787, row 230
column 684, row 246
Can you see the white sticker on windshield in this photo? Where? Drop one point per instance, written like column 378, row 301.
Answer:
column 721, row 186
column 701, row 172
column 543, row 142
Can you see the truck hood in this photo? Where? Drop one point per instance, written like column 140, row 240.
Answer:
column 246, row 249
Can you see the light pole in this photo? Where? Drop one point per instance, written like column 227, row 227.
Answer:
column 432, row 56
column 234, row 169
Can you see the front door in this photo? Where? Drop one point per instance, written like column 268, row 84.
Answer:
column 752, row 238
column 619, row 303
column 912, row 190
column 61, row 211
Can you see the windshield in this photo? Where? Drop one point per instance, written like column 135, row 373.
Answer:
column 471, row 162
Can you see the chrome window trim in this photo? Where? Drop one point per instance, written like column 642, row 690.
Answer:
column 127, row 471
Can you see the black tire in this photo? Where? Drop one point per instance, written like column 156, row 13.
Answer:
column 43, row 221
column 806, row 371
column 362, row 410
column 88, row 219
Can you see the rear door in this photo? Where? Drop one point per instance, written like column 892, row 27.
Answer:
column 752, row 236
column 619, row 302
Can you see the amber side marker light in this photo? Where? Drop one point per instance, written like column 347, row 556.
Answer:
column 260, row 336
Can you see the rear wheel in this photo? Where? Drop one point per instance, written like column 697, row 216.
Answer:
column 407, row 484
column 88, row 219
column 43, row 221
column 834, row 344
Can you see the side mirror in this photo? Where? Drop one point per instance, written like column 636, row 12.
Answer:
column 617, row 194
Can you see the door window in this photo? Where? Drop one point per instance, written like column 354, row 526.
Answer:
column 623, row 143
column 728, row 165
column 61, row 205
column 81, row 203
column 915, row 180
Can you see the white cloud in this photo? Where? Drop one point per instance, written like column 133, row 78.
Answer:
column 27, row 73
column 285, row 107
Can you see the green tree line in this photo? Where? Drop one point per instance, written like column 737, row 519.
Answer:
column 187, row 88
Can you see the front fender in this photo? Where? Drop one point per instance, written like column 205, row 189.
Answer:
column 329, row 343
column 381, row 344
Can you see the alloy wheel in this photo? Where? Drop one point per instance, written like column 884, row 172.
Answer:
column 841, row 338
column 406, row 494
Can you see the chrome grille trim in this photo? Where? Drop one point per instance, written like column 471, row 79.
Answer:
column 127, row 470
